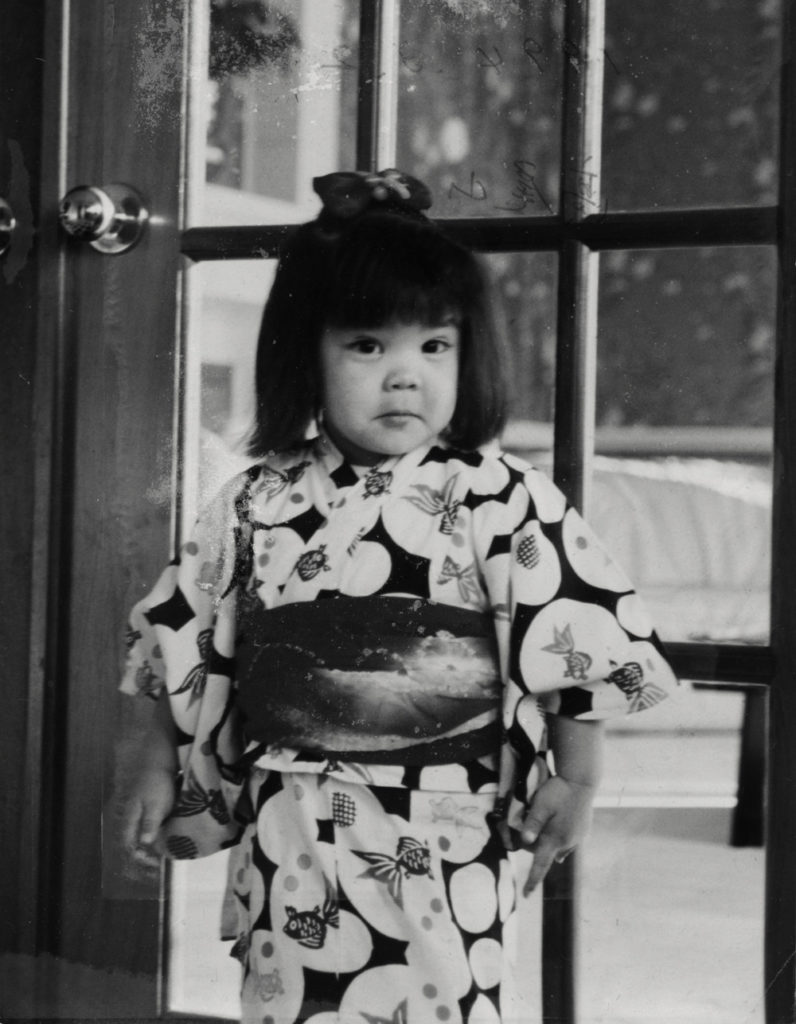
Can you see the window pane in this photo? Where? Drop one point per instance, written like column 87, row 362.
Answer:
column 684, row 412
column 671, row 913
column 279, row 107
column 524, row 288
column 690, row 103
column 479, row 105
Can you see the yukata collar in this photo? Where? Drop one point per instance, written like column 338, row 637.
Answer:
column 332, row 458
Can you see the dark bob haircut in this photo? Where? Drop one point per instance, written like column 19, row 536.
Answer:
column 379, row 268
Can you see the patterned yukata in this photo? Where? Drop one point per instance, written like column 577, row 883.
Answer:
column 360, row 662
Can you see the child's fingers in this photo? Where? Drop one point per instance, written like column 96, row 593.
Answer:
column 545, row 853
column 534, row 825
column 131, row 824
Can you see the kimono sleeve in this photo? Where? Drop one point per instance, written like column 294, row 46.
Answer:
column 580, row 640
column 181, row 640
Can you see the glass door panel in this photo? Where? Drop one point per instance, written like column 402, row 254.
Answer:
column 274, row 105
column 479, row 105
column 681, row 490
column 671, row 921
column 685, row 392
column 691, row 102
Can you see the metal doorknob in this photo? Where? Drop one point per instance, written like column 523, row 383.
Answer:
column 7, row 224
column 111, row 219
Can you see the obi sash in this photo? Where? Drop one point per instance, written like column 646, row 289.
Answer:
column 386, row 680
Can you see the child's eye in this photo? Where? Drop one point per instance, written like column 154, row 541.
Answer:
column 365, row 346
column 435, row 346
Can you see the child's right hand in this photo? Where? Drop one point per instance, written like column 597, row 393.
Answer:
column 148, row 805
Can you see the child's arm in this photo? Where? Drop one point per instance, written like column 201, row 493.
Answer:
column 560, row 811
column 147, row 781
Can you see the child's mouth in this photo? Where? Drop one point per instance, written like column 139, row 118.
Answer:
column 398, row 416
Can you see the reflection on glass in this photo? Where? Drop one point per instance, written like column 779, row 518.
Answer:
column 682, row 493
column 671, row 912
column 279, row 106
column 690, row 103
column 229, row 307
column 479, row 104
column 524, row 290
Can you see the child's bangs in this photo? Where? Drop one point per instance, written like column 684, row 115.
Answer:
column 409, row 281
column 385, row 301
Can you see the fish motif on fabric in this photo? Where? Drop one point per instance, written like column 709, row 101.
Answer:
column 630, row 680
column 411, row 858
column 194, row 799
column 438, row 503
column 309, row 927
column 578, row 662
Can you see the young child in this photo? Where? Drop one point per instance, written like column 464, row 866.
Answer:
column 379, row 641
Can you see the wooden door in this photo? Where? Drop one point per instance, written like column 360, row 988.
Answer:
column 106, row 363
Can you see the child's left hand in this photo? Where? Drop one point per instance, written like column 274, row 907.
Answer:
column 558, row 817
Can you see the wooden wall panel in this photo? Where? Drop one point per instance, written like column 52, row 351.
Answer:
column 20, row 163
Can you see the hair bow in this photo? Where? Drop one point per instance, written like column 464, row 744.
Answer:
column 345, row 194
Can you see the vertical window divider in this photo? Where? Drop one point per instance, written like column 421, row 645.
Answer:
column 377, row 103
column 387, row 84
column 573, row 444
column 780, row 839
column 370, row 35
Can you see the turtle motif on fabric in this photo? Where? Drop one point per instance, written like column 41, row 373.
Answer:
column 312, row 562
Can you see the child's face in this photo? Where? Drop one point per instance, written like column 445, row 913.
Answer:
column 388, row 389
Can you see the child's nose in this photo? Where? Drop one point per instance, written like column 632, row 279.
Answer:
column 400, row 379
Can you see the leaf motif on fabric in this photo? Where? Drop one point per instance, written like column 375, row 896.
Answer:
column 131, row 637
column 273, row 481
column 438, row 503
column 464, row 575
column 146, row 681
column 196, row 680
column 448, row 810
column 400, row 1015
